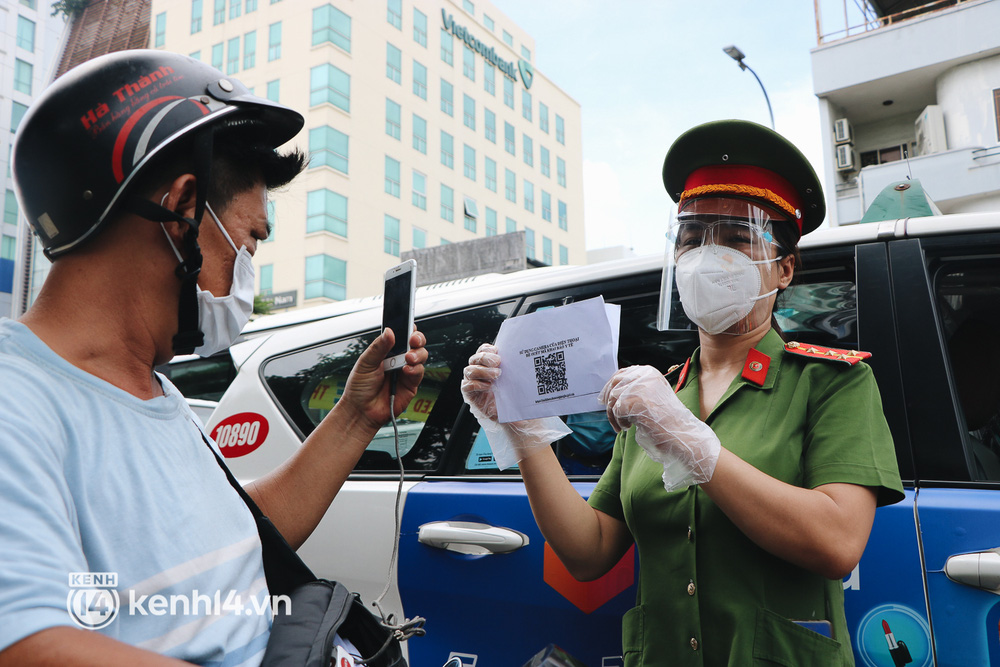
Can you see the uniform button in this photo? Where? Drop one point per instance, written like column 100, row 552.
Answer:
column 694, row 644
column 690, row 534
column 691, row 588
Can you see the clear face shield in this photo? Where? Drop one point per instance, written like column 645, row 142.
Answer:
column 721, row 261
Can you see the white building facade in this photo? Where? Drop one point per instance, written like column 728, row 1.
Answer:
column 30, row 44
column 923, row 84
column 426, row 123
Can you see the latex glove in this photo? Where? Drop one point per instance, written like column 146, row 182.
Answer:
column 668, row 431
column 509, row 442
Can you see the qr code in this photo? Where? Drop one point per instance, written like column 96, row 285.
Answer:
column 550, row 373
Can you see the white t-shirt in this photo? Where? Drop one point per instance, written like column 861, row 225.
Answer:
column 94, row 481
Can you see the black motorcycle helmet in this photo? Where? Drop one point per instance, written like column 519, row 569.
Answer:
column 101, row 129
column 88, row 137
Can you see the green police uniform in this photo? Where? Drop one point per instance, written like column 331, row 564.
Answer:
column 707, row 594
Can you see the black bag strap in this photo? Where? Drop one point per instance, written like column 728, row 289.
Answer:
column 283, row 568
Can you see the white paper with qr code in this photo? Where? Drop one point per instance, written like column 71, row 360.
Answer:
column 555, row 361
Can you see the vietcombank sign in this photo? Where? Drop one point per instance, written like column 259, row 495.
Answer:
column 489, row 53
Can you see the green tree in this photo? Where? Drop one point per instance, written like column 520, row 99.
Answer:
column 70, row 8
column 261, row 306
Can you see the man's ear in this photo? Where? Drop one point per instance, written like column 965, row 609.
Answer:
column 180, row 196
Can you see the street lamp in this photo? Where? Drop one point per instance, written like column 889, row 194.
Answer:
column 738, row 56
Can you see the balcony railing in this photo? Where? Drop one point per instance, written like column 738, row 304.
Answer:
column 860, row 17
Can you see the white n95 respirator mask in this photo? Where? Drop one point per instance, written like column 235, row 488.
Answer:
column 718, row 286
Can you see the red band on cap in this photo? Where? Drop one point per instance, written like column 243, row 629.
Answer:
column 745, row 180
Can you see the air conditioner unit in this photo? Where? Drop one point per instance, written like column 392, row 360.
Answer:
column 847, row 158
column 842, row 131
column 929, row 128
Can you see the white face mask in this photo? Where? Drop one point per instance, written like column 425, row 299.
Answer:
column 222, row 318
column 718, row 286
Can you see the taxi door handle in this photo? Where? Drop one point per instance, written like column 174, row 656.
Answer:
column 467, row 537
column 981, row 570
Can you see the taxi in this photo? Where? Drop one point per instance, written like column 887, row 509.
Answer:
column 922, row 295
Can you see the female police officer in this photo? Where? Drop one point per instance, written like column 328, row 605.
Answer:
column 750, row 488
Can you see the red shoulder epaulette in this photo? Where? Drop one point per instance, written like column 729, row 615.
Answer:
column 811, row 351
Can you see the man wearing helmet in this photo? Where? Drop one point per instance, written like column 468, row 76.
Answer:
column 145, row 176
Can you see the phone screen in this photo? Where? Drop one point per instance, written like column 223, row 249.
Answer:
column 396, row 311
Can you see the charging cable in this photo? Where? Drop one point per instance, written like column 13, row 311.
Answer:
column 410, row 627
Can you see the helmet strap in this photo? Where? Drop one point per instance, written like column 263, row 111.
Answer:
column 189, row 335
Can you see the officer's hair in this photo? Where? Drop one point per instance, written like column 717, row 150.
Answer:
column 786, row 235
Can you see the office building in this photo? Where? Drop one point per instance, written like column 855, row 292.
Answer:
column 915, row 80
column 426, row 123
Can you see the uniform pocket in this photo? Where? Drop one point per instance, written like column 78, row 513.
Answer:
column 778, row 641
column 632, row 635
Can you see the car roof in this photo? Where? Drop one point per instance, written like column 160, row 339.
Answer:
column 466, row 292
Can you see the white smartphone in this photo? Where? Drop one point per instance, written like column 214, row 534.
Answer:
column 397, row 310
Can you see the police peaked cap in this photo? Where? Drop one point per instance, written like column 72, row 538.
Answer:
column 738, row 158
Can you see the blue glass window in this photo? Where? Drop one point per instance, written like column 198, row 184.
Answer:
column 447, row 150
column 326, row 211
column 419, row 80
column 491, row 174
column 393, row 63
column 491, row 125
column 160, row 32
column 249, row 49
column 491, row 222
column 393, row 119
column 391, row 227
column 328, row 147
column 394, row 13
column 447, row 47
column 469, row 112
column 419, row 190
column 447, row 203
column 329, row 24
column 392, row 176
column 419, row 27
column 274, row 41
column 420, row 134
column 328, row 84
column 326, row 277
column 447, row 98
column 470, row 162
column 196, row 13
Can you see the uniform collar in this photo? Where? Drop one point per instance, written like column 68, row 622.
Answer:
column 760, row 369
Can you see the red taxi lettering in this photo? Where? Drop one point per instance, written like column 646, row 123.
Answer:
column 240, row 434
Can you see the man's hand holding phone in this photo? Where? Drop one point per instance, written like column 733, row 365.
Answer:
column 394, row 362
column 367, row 388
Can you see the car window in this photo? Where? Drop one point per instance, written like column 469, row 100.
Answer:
column 308, row 383
column 206, row 378
column 820, row 308
column 968, row 295
column 825, row 313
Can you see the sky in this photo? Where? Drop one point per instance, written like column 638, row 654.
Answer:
column 644, row 71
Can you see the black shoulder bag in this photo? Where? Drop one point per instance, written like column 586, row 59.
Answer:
column 318, row 608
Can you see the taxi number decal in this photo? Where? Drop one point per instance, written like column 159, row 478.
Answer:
column 240, row 434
